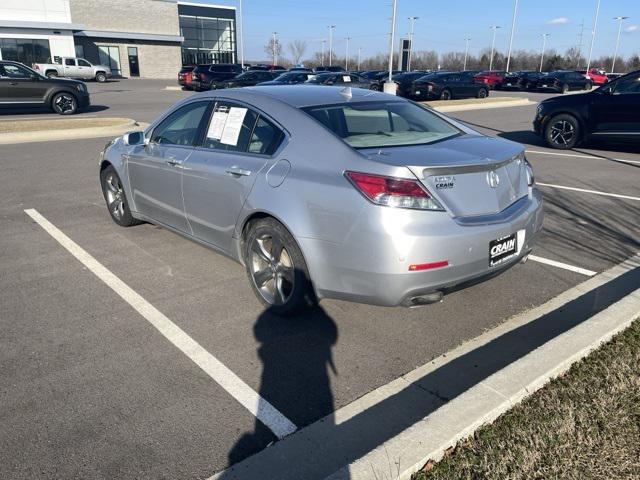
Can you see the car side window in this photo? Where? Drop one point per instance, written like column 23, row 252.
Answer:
column 70, row 62
column 83, row 63
column 230, row 127
column 627, row 85
column 14, row 71
column 180, row 127
column 265, row 138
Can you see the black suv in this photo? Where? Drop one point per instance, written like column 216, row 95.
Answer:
column 562, row 81
column 609, row 113
column 210, row 76
column 448, row 85
column 523, row 80
column 22, row 87
column 250, row 78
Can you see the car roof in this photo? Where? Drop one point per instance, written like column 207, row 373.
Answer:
column 306, row 95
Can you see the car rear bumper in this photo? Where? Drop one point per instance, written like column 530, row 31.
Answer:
column 372, row 264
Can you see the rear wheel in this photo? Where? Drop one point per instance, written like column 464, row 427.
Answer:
column 588, row 86
column 564, row 88
column 446, row 94
column 374, row 87
column 64, row 103
column 115, row 198
column 276, row 268
column 52, row 74
column 101, row 77
column 562, row 132
column 482, row 93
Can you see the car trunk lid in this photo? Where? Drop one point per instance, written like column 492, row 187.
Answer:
column 470, row 175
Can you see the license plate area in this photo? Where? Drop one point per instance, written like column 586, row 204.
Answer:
column 502, row 249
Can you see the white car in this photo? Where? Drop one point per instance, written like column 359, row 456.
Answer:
column 74, row 68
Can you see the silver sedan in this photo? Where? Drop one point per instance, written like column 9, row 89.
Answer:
column 328, row 192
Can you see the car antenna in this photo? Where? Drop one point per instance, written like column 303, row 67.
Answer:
column 346, row 92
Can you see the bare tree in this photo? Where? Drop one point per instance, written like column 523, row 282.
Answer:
column 574, row 58
column 297, row 49
column 269, row 48
column 452, row 61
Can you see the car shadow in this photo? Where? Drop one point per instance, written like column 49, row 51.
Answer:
column 42, row 109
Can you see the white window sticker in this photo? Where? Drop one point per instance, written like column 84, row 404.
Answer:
column 346, row 78
column 216, row 127
column 232, row 126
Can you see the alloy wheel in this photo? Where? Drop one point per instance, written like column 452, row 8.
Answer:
column 562, row 132
column 272, row 269
column 64, row 103
column 115, row 195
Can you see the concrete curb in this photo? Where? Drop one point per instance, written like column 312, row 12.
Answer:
column 519, row 102
column 71, row 133
column 490, row 398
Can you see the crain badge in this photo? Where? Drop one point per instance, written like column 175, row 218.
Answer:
column 445, row 182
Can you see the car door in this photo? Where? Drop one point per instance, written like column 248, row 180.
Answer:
column 20, row 85
column 218, row 177
column 85, row 69
column 614, row 108
column 70, row 68
column 155, row 169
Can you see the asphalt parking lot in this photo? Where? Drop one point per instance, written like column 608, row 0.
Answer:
column 90, row 389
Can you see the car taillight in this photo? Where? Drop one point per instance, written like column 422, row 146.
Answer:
column 393, row 192
column 201, row 77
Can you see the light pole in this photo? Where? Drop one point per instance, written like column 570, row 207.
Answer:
column 593, row 35
column 275, row 53
column 412, row 20
column 323, row 44
column 359, row 55
column 544, row 43
column 346, row 57
column 330, row 27
column 615, row 55
column 493, row 44
column 241, row 34
column 466, row 52
column 513, row 29
column 389, row 86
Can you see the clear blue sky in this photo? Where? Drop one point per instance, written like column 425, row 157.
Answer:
column 442, row 26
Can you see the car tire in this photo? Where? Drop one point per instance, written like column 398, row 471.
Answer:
column 276, row 268
column 115, row 198
column 52, row 74
column 482, row 93
column 101, row 77
column 64, row 103
column 562, row 132
column 588, row 86
column 445, row 94
column 374, row 87
column 564, row 89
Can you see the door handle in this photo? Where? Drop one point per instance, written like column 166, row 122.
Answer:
column 173, row 162
column 13, row 83
column 238, row 172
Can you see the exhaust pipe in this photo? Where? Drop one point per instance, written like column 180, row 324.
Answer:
column 426, row 299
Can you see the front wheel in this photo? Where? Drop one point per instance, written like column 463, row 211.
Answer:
column 374, row 87
column 101, row 77
column 482, row 93
column 588, row 86
column 562, row 132
column 445, row 95
column 64, row 103
column 276, row 268
column 564, row 89
column 115, row 198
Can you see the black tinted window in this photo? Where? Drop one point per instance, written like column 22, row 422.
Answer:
column 83, row 63
column 628, row 85
column 180, row 127
column 230, row 127
column 265, row 138
column 69, row 61
column 14, row 71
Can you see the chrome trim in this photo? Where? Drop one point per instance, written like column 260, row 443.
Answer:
column 505, row 215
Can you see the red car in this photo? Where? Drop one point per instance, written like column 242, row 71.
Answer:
column 491, row 78
column 597, row 77
column 185, row 77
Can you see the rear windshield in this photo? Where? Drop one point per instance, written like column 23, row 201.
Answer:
column 382, row 124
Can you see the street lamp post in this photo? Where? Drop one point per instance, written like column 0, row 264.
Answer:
column 331, row 27
column 241, row 34
column 346, row 57
column 412, row 20
column 466, row 52
column 593, row 35
column 322, row 58
column 615, row 55
column 493, row 44
column 513, row 28
column 275, row 52
column 544, row 43
column 389, row 85
column 359, row 56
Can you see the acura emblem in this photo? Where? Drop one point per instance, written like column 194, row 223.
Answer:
column 493, row 179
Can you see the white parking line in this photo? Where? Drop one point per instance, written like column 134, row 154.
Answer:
column 595, row 192
column 575, row 155
column 565, row 266
column 248, row 398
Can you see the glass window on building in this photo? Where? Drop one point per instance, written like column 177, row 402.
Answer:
column 25, row 50
column 110, row 56
column 207, row 40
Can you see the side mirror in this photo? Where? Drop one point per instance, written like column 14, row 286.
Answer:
column 134, row 138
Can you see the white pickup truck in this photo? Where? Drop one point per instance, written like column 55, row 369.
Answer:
column 74, row 68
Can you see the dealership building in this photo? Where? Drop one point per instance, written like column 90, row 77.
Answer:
column 141, row 38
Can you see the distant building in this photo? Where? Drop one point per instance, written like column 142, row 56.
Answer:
column 141, row 38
